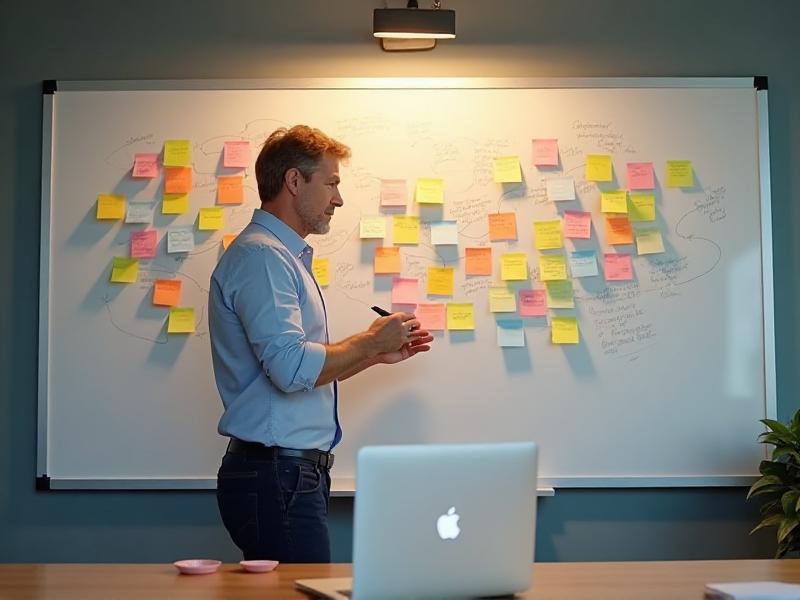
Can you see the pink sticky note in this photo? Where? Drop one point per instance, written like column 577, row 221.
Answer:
column 394, row 192
column 236, row 154
column 432, row 315
column 640, row 176
column 618, row 267
column 532, row 303
column 545, row 153
column 145, row 165
column 577, row 224
column 405, row 290
column 143, row 243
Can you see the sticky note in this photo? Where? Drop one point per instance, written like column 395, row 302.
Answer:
column 175, row 204
column 139, row 213
column 236, row 154
column 405, row 290
column 618, row 267
column 394, row 192
column 649, row 241
column 405, row 229
column 211, row 219
column 440, row 281
column 444, row 233
column 545, row 152
column 514, row 266
column 167, row 292
column 387, row 260
column 145, row 165
column 577, row 224
column 680, row 173
column 124, row 270
column 552, row 267
column 547, row 234
column 180, row 239
column 177, row 153
column 502, row 300
column 564, row 330
column 478, row 261
column 614, row 202
column 143, row 243
column 230, row 189
column 559, row 294
column 507, row 170
column 178, row 180
column 532, row 303
column 432, row 316
column 430, row 190
column 583, row 264
column 598, row 167
column 321, row 268
column 560, row 188
column 642, row 207
column 502, row 226
column 372, row 227
column 510, row 333
column 110, row 206
column 618, row 231
column 640, row 176
column 227, row 239
column 460, row 316
column 181, row 320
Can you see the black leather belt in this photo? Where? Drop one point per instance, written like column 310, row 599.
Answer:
column 258, row 451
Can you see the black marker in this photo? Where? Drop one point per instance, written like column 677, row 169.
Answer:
column 380, row 311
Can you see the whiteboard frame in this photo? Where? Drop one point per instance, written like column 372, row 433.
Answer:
column 346, row 487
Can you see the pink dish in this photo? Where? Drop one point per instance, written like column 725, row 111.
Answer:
column 197, row 566
column 258, row 566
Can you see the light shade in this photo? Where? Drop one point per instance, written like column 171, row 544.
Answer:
column 414, row 23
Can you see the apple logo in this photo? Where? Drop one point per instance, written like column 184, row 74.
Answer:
column 447, row 525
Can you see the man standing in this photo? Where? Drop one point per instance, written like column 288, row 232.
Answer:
column 275, row 367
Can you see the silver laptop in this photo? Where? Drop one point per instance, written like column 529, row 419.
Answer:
column 440, row 521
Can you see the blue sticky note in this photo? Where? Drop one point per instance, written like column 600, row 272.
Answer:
column 510, row 333
column 583, row 264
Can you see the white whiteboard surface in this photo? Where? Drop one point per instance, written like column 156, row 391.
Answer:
column 671, row 376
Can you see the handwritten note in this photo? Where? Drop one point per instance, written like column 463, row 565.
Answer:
column 405, row 229
column 440, row 281
column 532, row 303
column 167, row 292
column 507, row 169
column 560, row 188
column 372, row 227
column 598, row 167
column 545, row 152
column 180, row 239
column 430, row 190
column 394, row 192
column 444, row 233
column 618, row 267
column 211, row 219
column 145, row 165
column 618, row 231
column 552, row 267
column 501, row 299
column 143, row 243
column 577, row 224
column 432, row 316
column 649, row 241
column 405, row 290
column 564, row 330
column 181, row 320
column 641, row 176
column 236, row 154
column 178, row 180
column 321, row 268
column 560, row 294
column 614, row 202
column 177, row 153
column 502, row 226
column 124, row 270
column 514, row 266
column 478, row 261
column 583, row 263
column 510, row 333
column 110, row 207
column 230, row 189
column 139, row 213
column 642, row 207
column 460, row 316
column 680, row 174
column 175, row 204
column 547, row 234
column 387, row 260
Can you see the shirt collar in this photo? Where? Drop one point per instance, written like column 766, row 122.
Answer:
column 280, row 230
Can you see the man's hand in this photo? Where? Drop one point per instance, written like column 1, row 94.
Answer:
column 420, row 343
column 392, row 333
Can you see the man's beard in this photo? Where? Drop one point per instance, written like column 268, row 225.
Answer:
column 318, row 224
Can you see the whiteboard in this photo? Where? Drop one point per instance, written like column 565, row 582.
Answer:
column 673, row 369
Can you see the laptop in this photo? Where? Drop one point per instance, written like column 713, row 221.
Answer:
column 440, row 521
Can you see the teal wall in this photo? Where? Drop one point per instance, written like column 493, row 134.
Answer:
column 173, row 39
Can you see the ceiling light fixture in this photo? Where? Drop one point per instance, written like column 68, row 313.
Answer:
column 413, row 28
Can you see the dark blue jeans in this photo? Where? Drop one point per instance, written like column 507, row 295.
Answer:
column 275, row 509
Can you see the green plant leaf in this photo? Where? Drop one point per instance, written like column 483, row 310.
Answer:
column 771, row 467
column 781, row 451
column 772, row 505
column 789, row 502
column 777, row 439
column 777, row 427
column 770, row 521
column 764, row 482
column 795, row 425
column 783, row 548
column 786, row 527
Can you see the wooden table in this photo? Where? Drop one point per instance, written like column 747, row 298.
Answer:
column 554, row 581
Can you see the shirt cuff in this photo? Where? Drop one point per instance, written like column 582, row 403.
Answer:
column 311, row 365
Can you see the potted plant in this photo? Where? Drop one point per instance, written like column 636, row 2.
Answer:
column 779, row 484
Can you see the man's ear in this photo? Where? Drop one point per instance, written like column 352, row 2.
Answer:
column 291, row 179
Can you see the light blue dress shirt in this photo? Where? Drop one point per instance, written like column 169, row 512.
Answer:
column 268, row 325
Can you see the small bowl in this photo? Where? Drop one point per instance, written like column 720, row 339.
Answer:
column 197, row 566
column 258, row 566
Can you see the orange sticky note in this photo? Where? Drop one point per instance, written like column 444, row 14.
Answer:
column 618, row 231
column 387, row 260
column 479, row 261
column 167, row 292
column 227, row 238
column 432, row 316
column 230, row 189
column 177, row 180
column 502, row 226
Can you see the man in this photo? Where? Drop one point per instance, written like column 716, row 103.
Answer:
column 275, row 367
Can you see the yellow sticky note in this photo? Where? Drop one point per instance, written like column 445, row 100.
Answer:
column 514, row 266
column 124, row 270
column 321, row 267
column 175, row 204
column 181, row 320
column 552, row 267
column 501, row 299
column 460, row 316
column 110, row 206
column 559, row 294
column 564, row 330
column 430, row 190
column 680, row 173
column 642, row 207
column 547, row 234
column 372, row 227
column 614, row 202
column 598, row 167
column 227, row 239
column 405, row 229
column 177, row 153
column 649, row 241
column 507, row 170
column 387, row 260
column 440, row 281
column 211, row 219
